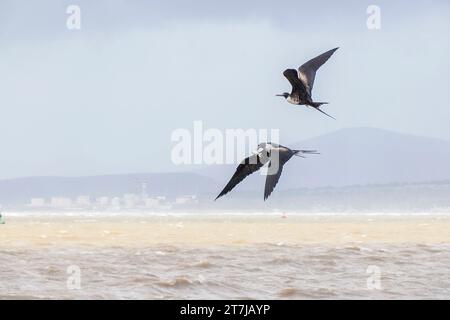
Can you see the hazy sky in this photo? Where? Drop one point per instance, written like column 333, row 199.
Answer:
column 106, row 98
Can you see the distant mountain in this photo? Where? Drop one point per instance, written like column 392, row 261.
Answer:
column 423, row 198
column 349, row 157
column 357, row 156
column 19, row 191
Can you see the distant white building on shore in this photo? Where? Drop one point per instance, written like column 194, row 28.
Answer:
column 130, row 200
column 115, row 203
column 83, row 201
column 60, row 202
column 37, row 202
column 152, row 202
column 186, row 199
column 102, row 201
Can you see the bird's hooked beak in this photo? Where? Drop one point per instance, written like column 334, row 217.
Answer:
column 258, row 151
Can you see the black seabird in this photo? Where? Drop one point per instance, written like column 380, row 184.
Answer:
column 275, row 155
column 302, row 82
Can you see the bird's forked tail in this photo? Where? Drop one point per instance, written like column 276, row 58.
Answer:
column 316, row 105
column 301, row 153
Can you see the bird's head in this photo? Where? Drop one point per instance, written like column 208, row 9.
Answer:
column 265, row 147
column 261, row 147
column 284, row 94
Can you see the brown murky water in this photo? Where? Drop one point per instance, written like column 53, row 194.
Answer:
column 225, row 258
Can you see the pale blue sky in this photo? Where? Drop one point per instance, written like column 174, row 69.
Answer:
column 105, row 99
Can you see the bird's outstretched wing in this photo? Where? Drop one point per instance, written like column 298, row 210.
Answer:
column 292, row 76
column 245, row 168
column 307, row 72
column 278, row 159
column 272, row 179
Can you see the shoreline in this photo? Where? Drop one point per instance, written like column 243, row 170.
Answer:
column 136, row 213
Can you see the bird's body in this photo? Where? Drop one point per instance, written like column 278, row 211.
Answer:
column 272, row 154
column 302, row 82
column 297, row 100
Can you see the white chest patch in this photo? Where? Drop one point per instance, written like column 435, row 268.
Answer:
column 290, row 100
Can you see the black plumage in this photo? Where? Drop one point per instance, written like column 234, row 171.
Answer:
column 302, row 82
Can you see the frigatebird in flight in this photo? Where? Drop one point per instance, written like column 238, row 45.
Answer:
column 274, row 155
column 302, row 82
